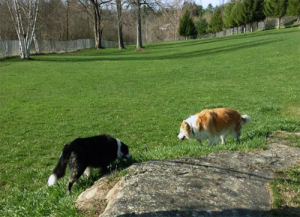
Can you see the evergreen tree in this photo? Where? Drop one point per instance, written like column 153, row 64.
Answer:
column 216, row 22
column 228, row 19
column 259, row 11
column 237, row 14
column 200, row 10
column 293, row 8
column 275, row 8
column 210, row 8
column 252, row 11
column 187, row 26
column 201, row 26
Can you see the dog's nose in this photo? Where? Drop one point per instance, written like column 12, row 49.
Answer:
column 128, row 156
column 181, row 138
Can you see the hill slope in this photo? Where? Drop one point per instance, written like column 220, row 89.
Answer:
column 140, row 98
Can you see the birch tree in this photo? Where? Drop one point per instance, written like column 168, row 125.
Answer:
column 24, row 16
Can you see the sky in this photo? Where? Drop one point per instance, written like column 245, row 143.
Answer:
column 214, row 3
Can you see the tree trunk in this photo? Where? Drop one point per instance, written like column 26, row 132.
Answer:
column 120, row 37
column 27, row 53
column 97, row 26
column 139, row 44
column 278, row 22
column 119, row 17
column 22, row 47
column 67, row 21
column 36, row 44
column 97, row 33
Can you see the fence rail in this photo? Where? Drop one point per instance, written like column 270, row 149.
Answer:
column 263, row 25
column 10, row 48
column 255, row 26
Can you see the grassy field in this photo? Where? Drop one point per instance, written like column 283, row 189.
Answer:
column 140, row 98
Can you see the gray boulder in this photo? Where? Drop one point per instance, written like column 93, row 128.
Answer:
column 224, row 183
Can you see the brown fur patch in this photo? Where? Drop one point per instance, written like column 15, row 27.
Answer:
column 218, row 120
column 186, row 127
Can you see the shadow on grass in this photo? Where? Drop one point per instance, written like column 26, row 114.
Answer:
column 233, row 37
column 159, row 56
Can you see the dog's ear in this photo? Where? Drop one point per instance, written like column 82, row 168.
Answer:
column 186, row 125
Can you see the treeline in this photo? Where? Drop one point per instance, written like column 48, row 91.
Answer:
column 62, row 20
column 236, row 13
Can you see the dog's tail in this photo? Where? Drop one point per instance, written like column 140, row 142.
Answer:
column 60, row 169
column 245, row 119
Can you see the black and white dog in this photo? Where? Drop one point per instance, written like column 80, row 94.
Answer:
column 83, row 154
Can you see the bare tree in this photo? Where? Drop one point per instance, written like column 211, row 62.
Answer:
column 139, row 44
column 173, row 13
column 24, row 15
column 120, row 23
column 137, row 6
column 51, row 22
column 94, row 8
column 6, row 32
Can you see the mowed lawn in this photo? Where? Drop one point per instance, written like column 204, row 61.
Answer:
column 140, row 98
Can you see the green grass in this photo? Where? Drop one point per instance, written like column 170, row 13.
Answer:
column 140, row 98
column 286, row 197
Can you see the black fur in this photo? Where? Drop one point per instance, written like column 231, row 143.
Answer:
column 97, row 152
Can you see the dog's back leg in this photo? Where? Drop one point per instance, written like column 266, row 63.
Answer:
column 77, row 167
column 199, row 141
column 75, row 175
column 237, row 132
column 236, row 135
column 213, row 140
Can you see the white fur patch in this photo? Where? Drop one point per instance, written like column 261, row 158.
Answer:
column 181, row 134
column 52, row 180
column 88, row 171
column 119, row 153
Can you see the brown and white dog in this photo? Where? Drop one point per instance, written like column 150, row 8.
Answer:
column 213, row 123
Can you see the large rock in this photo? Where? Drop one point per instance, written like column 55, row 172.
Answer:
column 225, row 183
